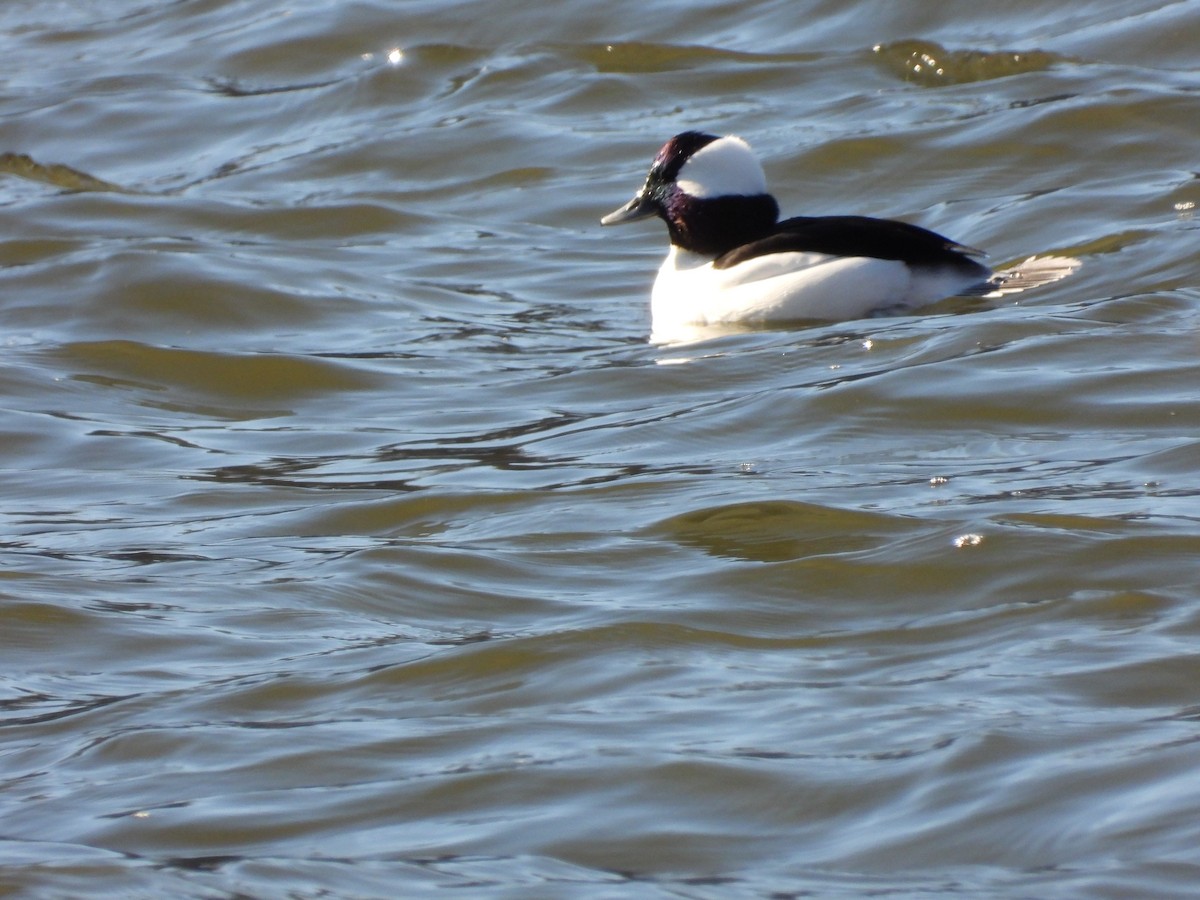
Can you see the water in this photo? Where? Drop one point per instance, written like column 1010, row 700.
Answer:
column 357, row 543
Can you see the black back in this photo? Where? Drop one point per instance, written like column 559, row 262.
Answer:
column 857, row 236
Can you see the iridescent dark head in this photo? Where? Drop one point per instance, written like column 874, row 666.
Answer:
column 711, row 192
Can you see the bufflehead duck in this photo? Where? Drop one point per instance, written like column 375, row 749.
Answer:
column 732, row 260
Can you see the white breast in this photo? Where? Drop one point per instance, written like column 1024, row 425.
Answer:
column 778, row 287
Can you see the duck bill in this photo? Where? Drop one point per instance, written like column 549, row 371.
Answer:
column 637, row 208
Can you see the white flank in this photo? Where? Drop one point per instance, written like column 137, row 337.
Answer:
column 726, row 167
column 692, row 301
column 779, row 287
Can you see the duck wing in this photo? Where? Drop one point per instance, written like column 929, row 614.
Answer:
column 857, row 236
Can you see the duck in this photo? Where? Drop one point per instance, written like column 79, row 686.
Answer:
column 732, row 261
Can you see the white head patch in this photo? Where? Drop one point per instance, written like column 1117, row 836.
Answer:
column 723, row 168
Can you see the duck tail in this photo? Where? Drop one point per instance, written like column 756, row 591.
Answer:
column 1031, row 273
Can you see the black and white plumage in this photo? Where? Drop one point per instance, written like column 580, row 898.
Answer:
column 732, row 260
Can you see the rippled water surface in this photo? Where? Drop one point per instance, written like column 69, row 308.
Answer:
column 356, row 542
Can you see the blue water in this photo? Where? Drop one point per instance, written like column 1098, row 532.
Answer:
column 357, row 543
